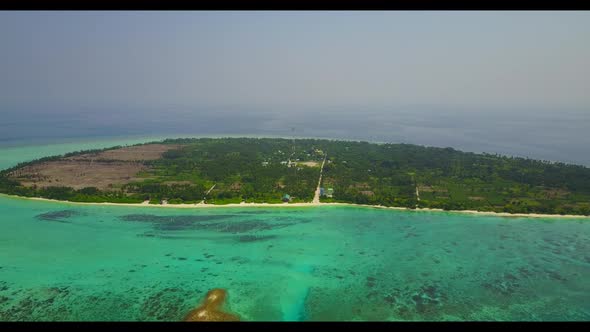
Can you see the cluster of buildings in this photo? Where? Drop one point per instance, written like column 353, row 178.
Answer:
column 289, row 163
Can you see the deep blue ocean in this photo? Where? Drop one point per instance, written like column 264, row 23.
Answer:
column 556, row 136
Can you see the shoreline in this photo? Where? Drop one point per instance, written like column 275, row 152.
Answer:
column 311, row 204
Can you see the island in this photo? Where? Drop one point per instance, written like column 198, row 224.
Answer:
column 220, row 171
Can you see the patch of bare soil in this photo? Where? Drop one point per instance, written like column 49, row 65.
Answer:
column 78, row 174
column 309, row 163
column 106, row 170
column 131, row 153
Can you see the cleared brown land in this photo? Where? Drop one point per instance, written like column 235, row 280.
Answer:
column 78, row 174
column 105, row 170
column 131, row 153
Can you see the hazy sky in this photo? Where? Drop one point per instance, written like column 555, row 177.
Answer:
column 297, row 61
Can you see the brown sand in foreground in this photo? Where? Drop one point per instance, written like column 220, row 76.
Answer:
column 211, row 309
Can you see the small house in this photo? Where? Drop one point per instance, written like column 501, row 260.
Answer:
column 286, row 198
column 330, row 192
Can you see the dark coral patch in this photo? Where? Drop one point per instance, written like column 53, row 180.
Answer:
column 254, row 238
column 555, row 276
column 247, row 226
column 254, row 212
column 507, row 285
column 217, row 223
column 240, row 260
column 58, row 216
column 390, row 299
column 525, row 272
column 168, row 219
column 169, row 304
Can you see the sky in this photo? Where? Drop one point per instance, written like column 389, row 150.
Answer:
column 296, row 60
column 112, row 68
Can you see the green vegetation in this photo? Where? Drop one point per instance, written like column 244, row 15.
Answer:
column 250, row 170
column 232, row 170
column 388, row 174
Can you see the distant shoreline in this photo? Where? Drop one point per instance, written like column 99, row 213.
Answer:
column 286, row 205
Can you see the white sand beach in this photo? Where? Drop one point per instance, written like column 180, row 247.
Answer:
column 312, row 204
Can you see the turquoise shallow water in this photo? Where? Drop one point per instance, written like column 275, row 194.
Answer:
column 61, row 261
column 71, row 262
